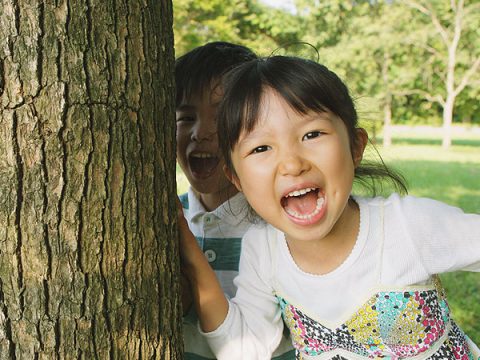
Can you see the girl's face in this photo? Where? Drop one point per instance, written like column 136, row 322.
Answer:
column 297, row 170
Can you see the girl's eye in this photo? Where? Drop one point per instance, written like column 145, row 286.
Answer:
column 311, row 135
column 260, row 149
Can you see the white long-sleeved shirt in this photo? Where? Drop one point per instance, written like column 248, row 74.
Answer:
column 401, row 242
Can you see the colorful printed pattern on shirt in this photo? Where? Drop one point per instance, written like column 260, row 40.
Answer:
column 392, row 324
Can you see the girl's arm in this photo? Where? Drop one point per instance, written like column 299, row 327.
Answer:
column 444, row 238
column 210, row 302
column 250, row 325
column 253, row 327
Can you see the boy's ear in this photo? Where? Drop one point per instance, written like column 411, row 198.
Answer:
column 360, row 145
column 232, row 177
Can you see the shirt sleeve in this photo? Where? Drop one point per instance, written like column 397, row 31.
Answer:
column 446, row 238
column 253, row 327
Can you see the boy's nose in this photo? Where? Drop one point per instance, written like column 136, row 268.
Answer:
column 203, row 132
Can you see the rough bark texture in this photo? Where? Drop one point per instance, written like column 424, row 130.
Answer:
column 88, row 257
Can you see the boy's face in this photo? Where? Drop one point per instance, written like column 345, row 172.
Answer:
column 197, row 144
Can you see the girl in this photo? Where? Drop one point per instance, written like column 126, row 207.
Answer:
column 352, row 277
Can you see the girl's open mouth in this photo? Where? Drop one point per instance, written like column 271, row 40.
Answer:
column 304, row 206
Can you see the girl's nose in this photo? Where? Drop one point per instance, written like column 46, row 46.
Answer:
column 293, row 164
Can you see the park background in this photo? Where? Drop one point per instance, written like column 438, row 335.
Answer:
column 413, row 68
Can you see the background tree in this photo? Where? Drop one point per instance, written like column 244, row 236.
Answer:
column 356, row 41
column 88, row 252
column 246, row 22
column 391, row 53
column 454, row 62
column 377, row 60
column 400, row 58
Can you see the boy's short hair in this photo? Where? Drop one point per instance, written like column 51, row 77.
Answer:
column 195, row 70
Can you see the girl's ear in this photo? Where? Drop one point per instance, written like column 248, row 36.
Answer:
column 232, row 177
column 360, row 144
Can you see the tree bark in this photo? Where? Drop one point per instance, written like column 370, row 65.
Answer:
column 88, row 252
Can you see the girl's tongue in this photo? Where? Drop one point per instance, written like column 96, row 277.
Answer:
column 303, row 205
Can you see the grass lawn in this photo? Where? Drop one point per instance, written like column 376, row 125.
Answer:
column 451, row 176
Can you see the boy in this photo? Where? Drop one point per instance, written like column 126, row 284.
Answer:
column 215, row 211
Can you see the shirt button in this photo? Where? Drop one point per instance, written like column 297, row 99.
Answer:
column 208, row 219
column 210, row 255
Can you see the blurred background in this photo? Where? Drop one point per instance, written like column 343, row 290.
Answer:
column 413, row 68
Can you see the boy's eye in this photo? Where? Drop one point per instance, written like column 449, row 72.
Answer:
column 185, row 118
column 260, row 149
column 311, row 135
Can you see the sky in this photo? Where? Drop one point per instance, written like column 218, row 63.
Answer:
column 286, row 4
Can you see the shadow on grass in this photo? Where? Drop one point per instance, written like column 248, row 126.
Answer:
column 427, row 141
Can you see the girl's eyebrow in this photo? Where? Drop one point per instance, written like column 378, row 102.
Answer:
column 322, row 115
column 252, row 136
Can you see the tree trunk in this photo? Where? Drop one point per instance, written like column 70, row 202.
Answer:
column 88, row 251
column 447, row 121
column 387, row 122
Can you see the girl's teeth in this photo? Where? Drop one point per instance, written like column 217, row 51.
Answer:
column 320, row 202
column 300, row 192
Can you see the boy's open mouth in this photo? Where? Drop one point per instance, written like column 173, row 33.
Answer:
column 203, row 164
column 303, row 204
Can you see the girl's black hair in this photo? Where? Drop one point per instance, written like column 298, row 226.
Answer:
column 195, row 70
column 305, row 85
